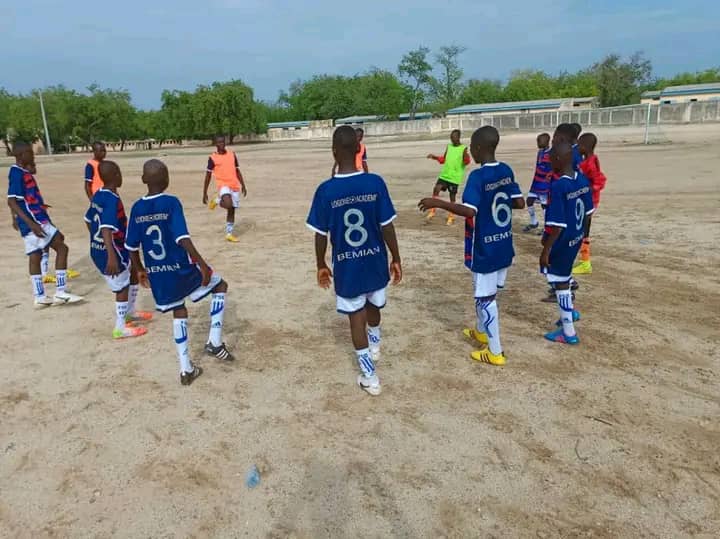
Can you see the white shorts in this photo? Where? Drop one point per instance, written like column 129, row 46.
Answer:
column 487, row 284
column 353, row 305
column 234, row 195
column 552, row 279
column 34, row 244
column 196, row 295
column 119, row 282
column 540, row 198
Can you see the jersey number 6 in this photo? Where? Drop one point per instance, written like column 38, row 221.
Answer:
column 501, row 207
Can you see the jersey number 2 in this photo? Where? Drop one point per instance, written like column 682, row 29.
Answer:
column 160, row 254
column 98, row 234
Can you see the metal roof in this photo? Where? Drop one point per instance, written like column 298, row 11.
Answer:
column 651, row 93
column 358, row 119
column 513, row 105
column 418, row 116
column 287, row 125
column 689, row 89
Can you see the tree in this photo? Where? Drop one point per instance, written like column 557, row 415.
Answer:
column 699, row 77
column 481, row 91
column 448, row 86
column 526, row 85
column 619, row 82
column 5, row 99
column 25, row 121
column 414, row 66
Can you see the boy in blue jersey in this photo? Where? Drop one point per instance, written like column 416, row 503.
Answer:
column 569, row 207
column 569, row 133
column 174, row 269
column 355, row 210
column 107, row 223
column 490, row 196
column 541, row 181
column 33, row 222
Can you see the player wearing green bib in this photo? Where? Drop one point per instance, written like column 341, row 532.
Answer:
column 454, row 161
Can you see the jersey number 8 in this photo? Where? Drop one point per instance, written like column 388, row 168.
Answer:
column 356, row 226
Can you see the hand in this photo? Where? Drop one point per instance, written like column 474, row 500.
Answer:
column 36, row 229
column 427, row 203
column 244, row 189
column 396, row 272
column 324, row 277
column 112, row 267
column 544, row 259
column 14, row 224
column 206, row 273
column 430, row 156
column 143, row 278
column 205, row 199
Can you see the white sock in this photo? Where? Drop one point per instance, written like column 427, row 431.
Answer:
column 565, row 304
column 533, row 217
column 487, row 313
column 37, row 284
column 365, row 362
column 374, row 337
column 229, row 228
column 45, row 263
column 217, row 313
column 180, row 332
column 121, row 310
column 132, row 298
column 60, row 278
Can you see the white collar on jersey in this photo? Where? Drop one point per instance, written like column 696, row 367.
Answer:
column 150, row 197
column 493, row 164
column 349, row 175
column 109, row 191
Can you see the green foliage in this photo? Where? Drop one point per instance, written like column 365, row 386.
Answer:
column 699, row 77
column 482, row 91
column 415, row 68
column 619, row 82
column 448, row 86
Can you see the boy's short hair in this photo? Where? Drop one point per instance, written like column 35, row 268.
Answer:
column 107, row 168
column 486, row 136
column 544, row 136
column 567, row 130
column 455, row 131
column 578, row 129
column 360, row 130
column 345, row 139
column 19, row 146
column 589, row 140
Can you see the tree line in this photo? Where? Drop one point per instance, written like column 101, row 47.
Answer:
column 423, row 81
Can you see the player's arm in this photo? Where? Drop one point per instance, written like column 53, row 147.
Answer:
column 13, row 219
column 89, row 173
column 439, row 158
column 113, row 265
column 88, row 190
column 364, row 161
column 458, row 209
column 240, row 177
column 324, row 275
column 391, row 241
column 549, row 239
column 137, row 266
column 187, row 244
column 32, row 224
column 466, row 157
column 208, row 176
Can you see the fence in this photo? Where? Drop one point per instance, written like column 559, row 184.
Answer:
column 642, row 115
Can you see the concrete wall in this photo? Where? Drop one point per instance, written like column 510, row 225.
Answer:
column 631, row 115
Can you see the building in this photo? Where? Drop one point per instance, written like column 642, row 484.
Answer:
column 683, row 94
column 540, row 105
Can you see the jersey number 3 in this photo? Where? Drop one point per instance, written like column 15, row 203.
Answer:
column 158, row 250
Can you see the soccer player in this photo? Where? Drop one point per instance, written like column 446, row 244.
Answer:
column 569, row 207
column 107, row 224
column 541, row 181
column 454, row 161
column 590, row 167
column 569, row 134
column 354, row 209
column 174, row 269
column 93, row 181
column 223, row 164
column 361, row 163
column 490, row 196
column 33, row 222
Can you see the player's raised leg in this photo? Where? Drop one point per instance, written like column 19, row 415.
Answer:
column 188, row 371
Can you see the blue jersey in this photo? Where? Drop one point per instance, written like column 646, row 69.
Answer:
column 24, row 189
column 577, row 157
column 157, row 224
column 352, row 209
column 570, row 202
column 543, row 174
column 107, row 211
column 488, row 236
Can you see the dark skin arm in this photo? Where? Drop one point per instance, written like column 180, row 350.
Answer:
column 187, row 244
column 88, row 190
column 13, row 219
column 34, row 226
column 547, row 243
column 113, row 265
column 457, row 209
column 324, row 275
column 137, row 265
column 208, row 175
column 242, row 181
column 392, row 243
column 365, row 167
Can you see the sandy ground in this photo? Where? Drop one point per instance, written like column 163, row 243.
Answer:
column 616, row 438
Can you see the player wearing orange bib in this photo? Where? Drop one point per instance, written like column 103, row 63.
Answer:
column 93, row 181
column 223, row 164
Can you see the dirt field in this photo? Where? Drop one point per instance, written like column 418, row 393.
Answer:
column 618, row 437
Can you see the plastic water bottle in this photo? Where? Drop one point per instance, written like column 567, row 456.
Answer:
column 252, row 478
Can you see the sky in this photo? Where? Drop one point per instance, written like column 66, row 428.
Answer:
column 146, row 47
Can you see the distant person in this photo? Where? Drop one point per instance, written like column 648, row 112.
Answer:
column 591, row 168
column 93, row 181
column 361, row 160
column 174, row 269
column 569, row 134
column 107, row 223
column 489, row 197
column 540, row 186
column 354, row 209
column 33, row 222
column 454, row 161
column 569, row 206
column 223, row 164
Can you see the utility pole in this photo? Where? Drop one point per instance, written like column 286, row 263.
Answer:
column 44, row 119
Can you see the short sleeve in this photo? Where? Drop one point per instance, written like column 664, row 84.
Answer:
column 178, row 225
column 514, row 189
column 319, row 217
column 555, row 213
column 472, row 195
column 89, row 173
column 88, row 215
column 132, row 236
column 386, row 210
column 109, row 215
column 16, row 188
column 211, row 164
